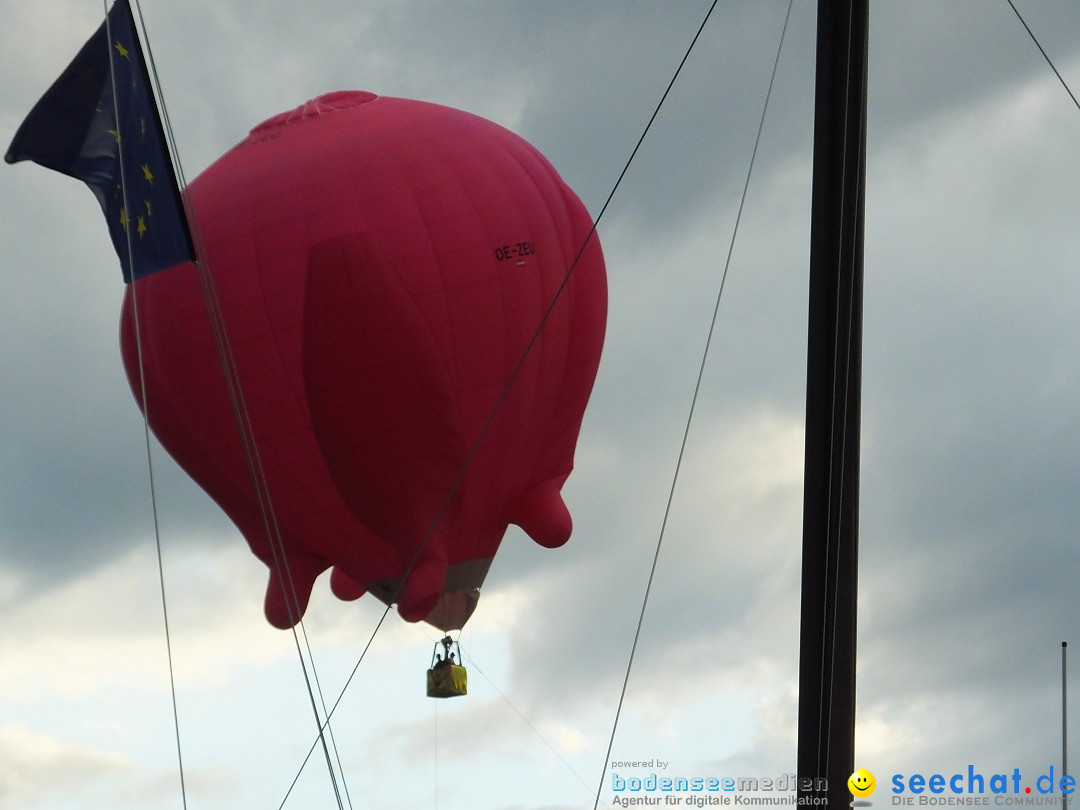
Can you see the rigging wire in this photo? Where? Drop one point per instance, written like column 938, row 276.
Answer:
column 256, row 467
column 475, row 447
column 475, row 666
column 281, row 565
column 513, row 376
column 701, row 369
column 1042, row 50
column 257, row 472
column 247, row 436
column 146, row 422
column 333, row 708
column 536, row 334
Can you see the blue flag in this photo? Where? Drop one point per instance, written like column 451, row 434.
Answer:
column 113, row 142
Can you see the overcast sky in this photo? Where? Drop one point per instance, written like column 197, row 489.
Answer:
column 969, row 559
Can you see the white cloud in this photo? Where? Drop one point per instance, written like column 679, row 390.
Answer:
column 37, row 769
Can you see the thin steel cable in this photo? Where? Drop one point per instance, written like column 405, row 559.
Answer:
column 543, row 320
column 474, row 665
column 437, row 519
column 700, row 375
column 277, row 547
column 1042, row 50
column 146, row 417
column 281, row 567
column 248, row 443
column 525, row 720
column 341, row 694
column 258, row 476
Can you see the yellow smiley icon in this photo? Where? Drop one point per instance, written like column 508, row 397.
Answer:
column 861, row 783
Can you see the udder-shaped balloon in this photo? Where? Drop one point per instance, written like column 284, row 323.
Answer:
column 414, row 302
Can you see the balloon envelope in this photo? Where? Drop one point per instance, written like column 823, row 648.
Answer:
column 413, row 356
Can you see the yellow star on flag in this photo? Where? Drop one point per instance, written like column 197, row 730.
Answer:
column 142, row 227
column 120, row 49
column 147, row 174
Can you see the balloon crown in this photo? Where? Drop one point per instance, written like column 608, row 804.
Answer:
column 328, row 102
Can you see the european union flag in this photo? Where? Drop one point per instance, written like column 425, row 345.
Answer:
column 99, row 123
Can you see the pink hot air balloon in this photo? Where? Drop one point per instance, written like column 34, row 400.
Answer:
column 383, row 266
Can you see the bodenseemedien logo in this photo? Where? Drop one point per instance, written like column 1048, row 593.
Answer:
column 652, row 789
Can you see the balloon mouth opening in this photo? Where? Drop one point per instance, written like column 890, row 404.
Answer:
column 320, row 105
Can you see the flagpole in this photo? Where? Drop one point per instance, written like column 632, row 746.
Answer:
column 1064, row 729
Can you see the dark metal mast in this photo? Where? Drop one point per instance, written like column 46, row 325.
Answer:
column 1064, row 727
column 834, row 376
